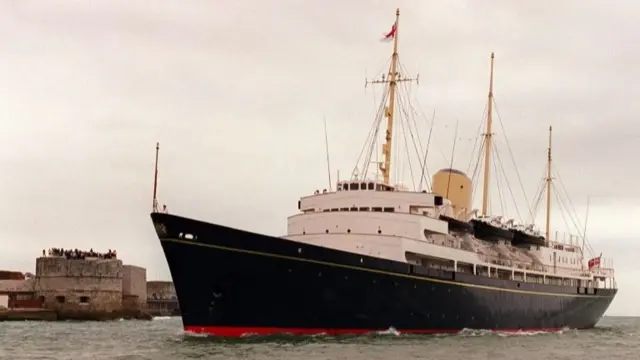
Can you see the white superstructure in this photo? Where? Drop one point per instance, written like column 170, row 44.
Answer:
column 372, row 218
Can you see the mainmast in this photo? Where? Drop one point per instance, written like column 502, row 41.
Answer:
column 155, row 181
column 392, row 79
column 548, row 180
column 488, row 144
column 386, row 148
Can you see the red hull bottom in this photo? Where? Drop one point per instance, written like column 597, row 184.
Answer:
column 242, row 331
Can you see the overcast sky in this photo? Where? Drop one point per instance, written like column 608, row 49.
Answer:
column 235, row 92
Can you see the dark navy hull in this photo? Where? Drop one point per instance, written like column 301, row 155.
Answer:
column 520, row 237
column 488, row 232
column 230, row 282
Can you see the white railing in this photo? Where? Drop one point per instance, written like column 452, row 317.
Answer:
column 606, row 270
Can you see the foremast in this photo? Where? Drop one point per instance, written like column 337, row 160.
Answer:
column 154, row 206
column 488, row 144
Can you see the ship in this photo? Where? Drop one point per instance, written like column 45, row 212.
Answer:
column 372, row 255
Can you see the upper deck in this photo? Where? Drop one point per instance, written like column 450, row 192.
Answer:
column 369, row 195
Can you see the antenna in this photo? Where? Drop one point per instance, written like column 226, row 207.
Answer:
column 453, row 150
column 155, row 181
column 326, row 144
column 549, row 179
column 392, row 79
column 487, row 144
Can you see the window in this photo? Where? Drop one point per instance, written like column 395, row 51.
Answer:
column 376, row 209
column 353, row 186
column 344, row 209
column 371, row 186
column 60, row 299
column 84, row 299
column 389, row 209
column 364, row 209
column 363, row 186
column 354, row 208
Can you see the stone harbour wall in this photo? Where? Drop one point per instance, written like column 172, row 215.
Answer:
column 77, row 288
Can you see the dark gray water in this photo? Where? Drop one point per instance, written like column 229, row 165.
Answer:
column 613, row 339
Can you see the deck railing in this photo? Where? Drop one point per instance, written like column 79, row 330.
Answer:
column 604, row 269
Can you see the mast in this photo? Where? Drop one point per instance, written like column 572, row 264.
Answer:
column 155, row 181
column 392, row 79
column 549, row 179
column 386, row 148
column 488, row 144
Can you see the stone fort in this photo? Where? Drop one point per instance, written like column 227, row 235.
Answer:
column 89, row 288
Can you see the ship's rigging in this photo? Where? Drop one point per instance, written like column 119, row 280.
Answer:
column 396, row 106
column 486, row 145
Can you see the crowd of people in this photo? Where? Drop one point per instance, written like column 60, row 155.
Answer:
column 75, row 254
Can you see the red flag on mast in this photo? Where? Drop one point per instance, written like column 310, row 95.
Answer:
column 594, row 262
column 390, row 35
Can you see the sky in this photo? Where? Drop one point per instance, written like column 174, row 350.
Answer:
column 236, row 93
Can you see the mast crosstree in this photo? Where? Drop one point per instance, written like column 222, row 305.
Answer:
column 392, row 79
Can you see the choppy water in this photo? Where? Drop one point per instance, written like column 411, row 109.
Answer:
column 614, row 338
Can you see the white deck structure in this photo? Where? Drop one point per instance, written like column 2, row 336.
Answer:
column 375, row 219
